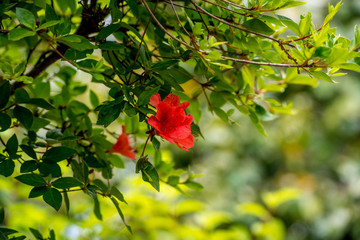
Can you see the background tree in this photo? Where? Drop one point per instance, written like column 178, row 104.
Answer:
column 237, row 57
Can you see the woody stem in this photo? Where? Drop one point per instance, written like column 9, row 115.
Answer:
column 146, row 142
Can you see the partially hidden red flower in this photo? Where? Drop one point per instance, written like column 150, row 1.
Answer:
column 123, row 147
column 171, row 122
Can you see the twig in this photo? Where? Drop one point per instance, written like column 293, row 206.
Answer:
column 220, row 6
column 232, row 25
column 273, row 64
column 162, row 27
column 142, row 39
column 236, row 5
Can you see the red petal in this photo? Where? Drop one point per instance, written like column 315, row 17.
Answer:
column 155, row 100
column 186, row 142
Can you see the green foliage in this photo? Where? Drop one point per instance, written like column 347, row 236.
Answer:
column 72, row 72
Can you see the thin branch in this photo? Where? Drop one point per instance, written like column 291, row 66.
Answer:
column 162, row 27
column 307, row 36
column 227, row 9
column 202, row 19
column 177, row 16
column 63, row 57
column 273, row 64
column 142, row 39
column 236, row 5
column 232, row 25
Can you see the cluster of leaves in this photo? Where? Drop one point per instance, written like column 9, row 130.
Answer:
column 195, row 49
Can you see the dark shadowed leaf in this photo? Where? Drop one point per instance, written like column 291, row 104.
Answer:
column 57, row 154
column 115, row 202
column 41, row 103
column 5, row 122
column 37, row 192
column 28, row 150
column 36, row 233
column 115, row 192
column 31, row 179
column 150, row 175
column 97, row 210
column 53, row 197
column 4, row 93
column 28, row 166
column 7, row 167
column 259, row 26
column 12, row 146
column 24, row 116
column 67, row 182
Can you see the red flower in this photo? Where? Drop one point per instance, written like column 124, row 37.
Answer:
column 171, row 122
column 123, row 147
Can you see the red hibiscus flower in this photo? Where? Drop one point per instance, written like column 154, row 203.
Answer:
column 123, row 147
column 171, row 122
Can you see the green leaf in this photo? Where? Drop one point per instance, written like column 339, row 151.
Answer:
column 322, row 52
column 155, row 143
column 26, row 18
column 77, row 42
column 73, row 54
column 57, row 154
column 28, row 166
column 67, row 182
column 129, row 110
column 48, row 24
column 50, row 168
column 149, row 174
column 5, row 122
column 21, row 96
column 6, row 231
column 107, row 31
column 322, row 76
column 303, row 79
column 20, row 33
column 4, row 93
column 53, row 197
column 290, row 4
column 195, row 130
column 97, row 210
column 37, row 191
column 111, row 46
column 221, row 114
column 29, row 151
column 120, row 213
column 108, row 113
column 256, row 122
column 193, row 185
column 7, row 168
column 36, row 233
column 293, row 26
column 127, row 94
column 144, row 97
column 259, row 26
column 304, row 25
column 116, row 160
column 173, row 180
column 94, row 99
column 332, row 11
column 67, row 201
column 115, row 192
column 350, row 66
column 40, row 102
column 12, row 146
column 31, row 179
column 2, row 215
column 24, row 116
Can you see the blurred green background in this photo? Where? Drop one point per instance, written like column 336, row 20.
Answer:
column 301, row 182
